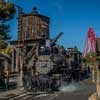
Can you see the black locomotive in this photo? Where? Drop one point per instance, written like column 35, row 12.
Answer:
column 53, row 66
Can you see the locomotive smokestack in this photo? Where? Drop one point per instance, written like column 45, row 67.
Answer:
column 55, row 40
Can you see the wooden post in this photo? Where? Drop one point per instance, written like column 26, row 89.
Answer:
column 6, row 73
column 17, row 60
column 13, row 58
column 98, row 83
column 20, row 84
column 93, row 75
column 98, row 89
column 20, row 76
column 98, row 76
column 37, row 49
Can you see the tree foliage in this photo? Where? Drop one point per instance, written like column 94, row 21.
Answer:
column 7, row 11
column 7, row 51
column 91, row 57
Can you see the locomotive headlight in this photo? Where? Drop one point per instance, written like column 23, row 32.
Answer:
column 43, row 64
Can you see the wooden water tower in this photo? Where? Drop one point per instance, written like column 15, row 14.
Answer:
column 33, row 30
column 32, row 26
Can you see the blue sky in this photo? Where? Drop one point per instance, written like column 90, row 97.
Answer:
column 73, row 17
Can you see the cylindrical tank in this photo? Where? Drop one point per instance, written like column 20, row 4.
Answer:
column 33, row 26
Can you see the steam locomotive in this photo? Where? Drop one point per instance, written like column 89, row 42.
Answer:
column 52, row 67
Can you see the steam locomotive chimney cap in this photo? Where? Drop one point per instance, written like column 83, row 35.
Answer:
column 34, row 10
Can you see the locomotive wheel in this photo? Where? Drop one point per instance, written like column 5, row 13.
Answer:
column 40, row 83
column 27, row 83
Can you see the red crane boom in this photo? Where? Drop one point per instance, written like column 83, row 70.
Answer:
column 90, row 42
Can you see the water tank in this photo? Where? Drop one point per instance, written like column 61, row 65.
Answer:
column 33, row 25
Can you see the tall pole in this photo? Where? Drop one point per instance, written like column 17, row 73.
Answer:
column 20, row 54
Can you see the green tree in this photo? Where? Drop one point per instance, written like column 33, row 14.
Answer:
column 91, row 57
column 7, row 11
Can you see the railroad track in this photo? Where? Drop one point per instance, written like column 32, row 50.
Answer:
column 21, row 96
